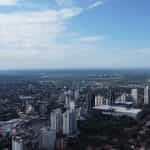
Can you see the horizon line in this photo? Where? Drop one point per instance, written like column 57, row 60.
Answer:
column 74, row 69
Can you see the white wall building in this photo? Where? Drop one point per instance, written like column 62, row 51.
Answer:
column 47, row 139
column 72, row 106
column 122, row 99
column 56, row 120
column 17, row 143
column 68, row 97
column 100, row 100
column 69, row 122
column 134, row 94
column 76, row 94
column 146, row 95
column 118, row 111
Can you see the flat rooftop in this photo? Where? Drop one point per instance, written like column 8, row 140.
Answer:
column 118, row 109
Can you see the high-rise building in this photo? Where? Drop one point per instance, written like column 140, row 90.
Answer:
column 99, row 100
column 29, row 109
column 47, row 139
column 146, row 95
column 17, row 143
column 111, row 97
column 134, row 94
column 69, row 122
column 76, row 94
column 42, row 108
column 123, row 98
column 68, row 98
column 56, row 120
column 78, row 113
column 71, row 105
column 90, row 100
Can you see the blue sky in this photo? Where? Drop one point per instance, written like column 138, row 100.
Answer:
column 74, row 34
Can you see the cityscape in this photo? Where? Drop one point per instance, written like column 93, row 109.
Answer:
column 74, row 74
column 75, row 110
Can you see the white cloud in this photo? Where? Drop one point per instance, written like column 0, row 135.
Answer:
column 96, row 4
column 67, row 13
column 33, row 29
column 91, row 38
column 27, row 39
column 56, row 56
column 64, row 2
column 7, row 2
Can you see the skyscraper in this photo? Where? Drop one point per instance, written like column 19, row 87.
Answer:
column 123, row 98
column 47, row 139
column 56, row 120
column 68, row 98
column 76, row 94
column 99, row 100
column 134, row 94
column 90, row 100
column 17, row 143
column 111, row 98
column 72, row 106
column 146, row 95
column 69, row 122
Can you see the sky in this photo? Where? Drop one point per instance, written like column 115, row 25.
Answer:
column 61, row 34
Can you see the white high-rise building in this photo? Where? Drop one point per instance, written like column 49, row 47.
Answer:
column 146, row 95
column 47, row 139
column 29, row 109
column 67, row 100
column 76, row 94
column 123, row 98
column 56, row 119
column 72, row 105
column 68, row 97
column 66, row 123
column 69, row 122
column 134, row 94
column 78, row 112
column 17, row 143
column 99, row 100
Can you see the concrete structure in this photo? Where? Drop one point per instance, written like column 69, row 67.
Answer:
column 17, row 143
column 29, row 109
column 134, row 94
column 71, row 105
column 68, row 97
column 100, row 100
column 78, row 113
column 47, row 139
column 90, row 100
column 118, row 111
column 146, row 95
column 67, row 100
column 42, row 108
column 56, row 120
column 7, row 126
column 69, row 122
column 124, row 99
column 76, row 94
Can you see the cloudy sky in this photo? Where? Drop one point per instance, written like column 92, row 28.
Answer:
column 74, row 34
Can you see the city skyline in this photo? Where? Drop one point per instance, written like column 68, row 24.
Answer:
column 38, row 34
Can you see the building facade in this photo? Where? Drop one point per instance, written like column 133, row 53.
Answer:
column 56, row 120
column 146, row 95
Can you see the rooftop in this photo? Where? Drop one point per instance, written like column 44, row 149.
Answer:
column 119, row 109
